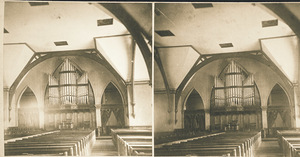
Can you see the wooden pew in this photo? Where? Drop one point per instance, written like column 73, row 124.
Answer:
column 127, row 145
column 165, row 137
column 36, row 150
column 115, row 132
column 229, row 144
column 133, row 142
column 67, row 143
column 30, row 136
column 186, row 140
column 289, row 141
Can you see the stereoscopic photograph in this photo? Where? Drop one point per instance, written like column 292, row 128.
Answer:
column 77, row 79
column 150, row 79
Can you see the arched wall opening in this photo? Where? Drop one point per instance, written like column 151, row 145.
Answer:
column 112, row 109
column 28, row 111
column 278, row 111
column 194, row 115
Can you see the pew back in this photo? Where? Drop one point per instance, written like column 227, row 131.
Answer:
column 133, row 142
column 67, row 143
column 220, row 144
column 289, row 141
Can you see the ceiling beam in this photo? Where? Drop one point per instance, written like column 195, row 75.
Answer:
column 66, row 51
column 277, row 37
column 21, row 44
column 132, row 79
column 231, row 53
column 110, row 36
column 163, row 73
column 135, row 29
column 191, row 46
column 81, row 53
column 286, row 15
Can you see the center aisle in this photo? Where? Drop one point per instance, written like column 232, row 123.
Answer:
column 268, row 147
column 104, row 147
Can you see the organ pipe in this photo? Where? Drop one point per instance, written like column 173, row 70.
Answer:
column 71, row 92
column 239, row 89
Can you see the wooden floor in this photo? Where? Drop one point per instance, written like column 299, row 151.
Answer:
column 104, row 147
column 269, row 147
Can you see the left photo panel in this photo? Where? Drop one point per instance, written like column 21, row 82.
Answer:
column 77, row 79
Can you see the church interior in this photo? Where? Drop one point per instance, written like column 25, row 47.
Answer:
column 77, row 79
column 149, row 79
column 226, row 79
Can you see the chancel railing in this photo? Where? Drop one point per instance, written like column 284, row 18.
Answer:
column 235, row 99
column 69, row 101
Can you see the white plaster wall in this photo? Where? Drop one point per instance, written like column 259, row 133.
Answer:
column 161, row 115
column 143, row 106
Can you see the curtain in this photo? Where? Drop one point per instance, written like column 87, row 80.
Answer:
column 285, row 117
column 119, row 114
column 272, row 115
column 187, row 122
column 195, row 121
column 105, row 114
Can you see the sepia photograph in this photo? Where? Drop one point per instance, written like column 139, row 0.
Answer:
column 77, row 79
column 226, row 79
column 149, row 78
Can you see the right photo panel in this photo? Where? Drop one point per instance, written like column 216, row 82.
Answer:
column 226, row 79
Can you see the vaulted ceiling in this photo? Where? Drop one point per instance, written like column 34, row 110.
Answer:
column 51, row 27
column 187, row 33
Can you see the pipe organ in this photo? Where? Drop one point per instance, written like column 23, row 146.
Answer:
column 234, row 99
column 69, row 96
column 53, row 91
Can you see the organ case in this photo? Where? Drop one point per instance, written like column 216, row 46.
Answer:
column 69, row 100
column 235, row 100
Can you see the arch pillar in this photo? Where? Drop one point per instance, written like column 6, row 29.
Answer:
column 207, row 119
column 98, row 118
column 297, row 106
column 6, row 106
column 41, row 113
column 297, row 96
column 264, row 117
